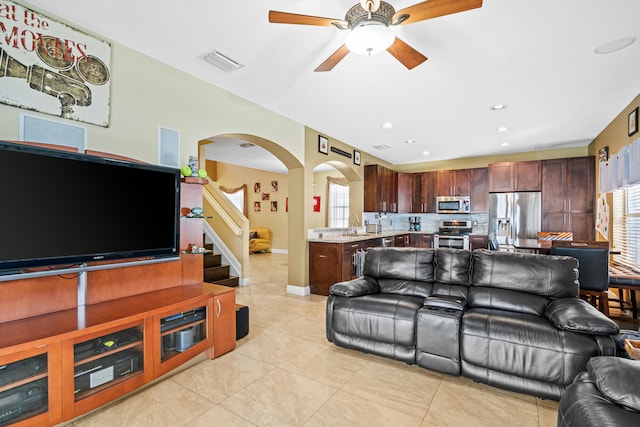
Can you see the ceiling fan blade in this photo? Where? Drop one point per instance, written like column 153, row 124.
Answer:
column 294, row 18
column 408, row 56
column 434, row 8
column 333, row 60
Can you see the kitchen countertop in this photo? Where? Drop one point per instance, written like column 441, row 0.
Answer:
column 368, row 236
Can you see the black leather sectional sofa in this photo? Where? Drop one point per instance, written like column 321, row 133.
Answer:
column 506, row 319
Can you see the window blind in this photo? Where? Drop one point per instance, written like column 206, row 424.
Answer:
column 626, row 226
column 338, row 205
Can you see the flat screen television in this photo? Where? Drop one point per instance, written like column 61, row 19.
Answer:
column 61, row 208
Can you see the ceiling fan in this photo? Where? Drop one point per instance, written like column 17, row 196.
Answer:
column 369, row 22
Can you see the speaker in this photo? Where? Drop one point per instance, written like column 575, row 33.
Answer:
column 184, row 339
column 242, row 321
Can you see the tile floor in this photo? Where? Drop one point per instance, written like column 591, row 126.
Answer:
column 286, row 373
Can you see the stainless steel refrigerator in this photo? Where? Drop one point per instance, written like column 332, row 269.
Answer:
column 514, row 216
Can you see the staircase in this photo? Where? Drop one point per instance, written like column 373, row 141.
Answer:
column 215, row 271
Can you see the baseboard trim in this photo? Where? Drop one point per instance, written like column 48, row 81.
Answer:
column 280, row 251
column 244, row 281
column 299, row 290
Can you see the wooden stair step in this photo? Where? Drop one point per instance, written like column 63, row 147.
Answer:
column 212, row 260
column 213, row 274
column 231, row 281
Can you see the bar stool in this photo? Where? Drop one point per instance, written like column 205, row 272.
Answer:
column 593, row 269
column 621, row 278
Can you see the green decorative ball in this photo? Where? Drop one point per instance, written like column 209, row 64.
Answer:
column 186, row 171
column 202, row 173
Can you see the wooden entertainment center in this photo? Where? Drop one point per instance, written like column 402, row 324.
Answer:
column 60, row 358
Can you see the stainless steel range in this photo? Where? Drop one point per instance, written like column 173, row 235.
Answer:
column 452, row 234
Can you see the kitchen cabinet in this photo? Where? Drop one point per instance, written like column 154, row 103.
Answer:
column 568, row 192
column 477, row 241
column 453, row 182
column 515, row 176
column 401, row 241
column 404, row 191
column 423, row 197
column 421, row 240
column 332, row 262
column 479, row 195
column 380, row 189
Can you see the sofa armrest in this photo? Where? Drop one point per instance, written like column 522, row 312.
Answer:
column 445, row 301
column 576, row 315
column 355, row 288
column 617, row 379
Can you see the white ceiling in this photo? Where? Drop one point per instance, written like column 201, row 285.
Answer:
column 537, row 57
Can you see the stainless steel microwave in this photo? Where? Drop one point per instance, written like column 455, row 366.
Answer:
column 453, row 204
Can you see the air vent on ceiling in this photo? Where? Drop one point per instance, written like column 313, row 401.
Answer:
column 381, row 147
column 247, row 145
column 221, row 61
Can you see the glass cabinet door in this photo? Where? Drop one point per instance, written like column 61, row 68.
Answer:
column 23, row 389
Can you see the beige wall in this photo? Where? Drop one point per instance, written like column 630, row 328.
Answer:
column 232, row 176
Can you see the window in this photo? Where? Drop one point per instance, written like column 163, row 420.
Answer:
column 338, row 203
column 237, row 196
column 626, row 226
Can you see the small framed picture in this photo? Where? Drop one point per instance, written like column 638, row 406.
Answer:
column 256, row 187
column 356, row 157
column 323, row 144
column 633, row 121
column 265, row 196
column 274, row 185
column 274, row 206
column 256, row 206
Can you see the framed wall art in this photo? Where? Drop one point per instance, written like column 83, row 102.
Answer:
column 633, row 121
column 356, row 157
column 323, row 145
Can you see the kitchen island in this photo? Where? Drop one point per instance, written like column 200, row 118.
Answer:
column 335, row 258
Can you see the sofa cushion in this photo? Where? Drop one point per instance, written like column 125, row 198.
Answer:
column 403, row 271
column 453, row 266
column 523, row 345
column 382, row 318
column 544, row 275
column 617, row 379
column 504, row 299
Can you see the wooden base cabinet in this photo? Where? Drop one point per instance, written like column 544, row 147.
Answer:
column 59, row 366
column 29, row 386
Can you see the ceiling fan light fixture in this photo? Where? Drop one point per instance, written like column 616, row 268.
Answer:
column 369, row 38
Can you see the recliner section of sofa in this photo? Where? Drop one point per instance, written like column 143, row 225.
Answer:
column 506, row 319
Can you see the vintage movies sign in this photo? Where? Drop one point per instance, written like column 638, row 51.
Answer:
column 49, row 67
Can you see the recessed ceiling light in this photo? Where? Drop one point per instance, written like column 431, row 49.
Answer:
column 502, row 129
column 410, row 141
column 498, row 107
column 381, row 147
column 504, row 144
column 615, row 45
column 387, row 125
column 425, row 153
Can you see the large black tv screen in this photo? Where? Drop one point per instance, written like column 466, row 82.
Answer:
column 67, row 208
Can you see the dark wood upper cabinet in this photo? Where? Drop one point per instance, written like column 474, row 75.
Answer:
column 453, row 182
column 528, row 176
column 479, row 190
column 405, row 194
column 568, row 194
column 443, row 183
column 380, row 189
column 515, row 176
column 501, row 177
column 423, row 192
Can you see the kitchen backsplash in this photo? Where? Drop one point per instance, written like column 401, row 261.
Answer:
column 428, row 222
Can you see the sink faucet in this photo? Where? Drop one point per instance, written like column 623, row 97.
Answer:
column 349, row 229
